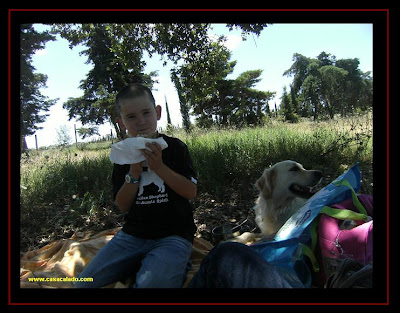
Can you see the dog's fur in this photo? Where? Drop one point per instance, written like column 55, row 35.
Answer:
column 284, row 188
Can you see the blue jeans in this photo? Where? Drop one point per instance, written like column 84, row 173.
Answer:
column 235, row 265
column 158, row 263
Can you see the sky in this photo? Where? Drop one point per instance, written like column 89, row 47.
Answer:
column 272, row 52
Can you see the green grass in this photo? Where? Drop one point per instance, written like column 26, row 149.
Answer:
column 228, row 158
column 63, row 191
column 54, row 176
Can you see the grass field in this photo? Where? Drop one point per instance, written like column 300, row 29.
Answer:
column 68, row 190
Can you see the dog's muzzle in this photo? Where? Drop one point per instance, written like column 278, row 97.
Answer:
column 306, row 191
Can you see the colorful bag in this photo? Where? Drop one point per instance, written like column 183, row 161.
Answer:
column 286, row 249
column 344, row 233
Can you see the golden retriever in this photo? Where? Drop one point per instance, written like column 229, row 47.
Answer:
column 284, row 188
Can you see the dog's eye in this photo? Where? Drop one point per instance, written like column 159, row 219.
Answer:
column 294, row 169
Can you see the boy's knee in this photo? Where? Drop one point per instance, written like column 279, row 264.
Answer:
column 155, row 279
column 160, row 273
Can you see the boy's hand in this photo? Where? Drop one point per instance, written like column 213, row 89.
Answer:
column 136, row 169
column 154, row 157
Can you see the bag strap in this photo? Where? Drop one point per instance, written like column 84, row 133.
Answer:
column 356, row 201
column 310, row 254
column 342, row 214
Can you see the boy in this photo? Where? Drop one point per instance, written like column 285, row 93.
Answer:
column 156, row 240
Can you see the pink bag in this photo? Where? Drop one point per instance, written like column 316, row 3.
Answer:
column 343, row 233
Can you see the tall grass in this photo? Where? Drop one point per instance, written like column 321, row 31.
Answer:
column 63, row 192
column 228, row 158
column 54, row 176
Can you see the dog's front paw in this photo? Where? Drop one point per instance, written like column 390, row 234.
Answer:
column 245, row 238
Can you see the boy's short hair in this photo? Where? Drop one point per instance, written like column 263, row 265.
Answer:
column 130, row 91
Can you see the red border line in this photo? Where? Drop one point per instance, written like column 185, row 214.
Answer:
column 201, row 10
column 201, row 304
column 9, row 156
column 387, row 154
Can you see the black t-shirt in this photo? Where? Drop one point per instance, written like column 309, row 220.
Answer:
column 157, row 210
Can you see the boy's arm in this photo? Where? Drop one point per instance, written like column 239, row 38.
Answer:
column 127, row 193
column 177, row 182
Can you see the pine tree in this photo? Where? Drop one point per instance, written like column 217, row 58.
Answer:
column 33, row 103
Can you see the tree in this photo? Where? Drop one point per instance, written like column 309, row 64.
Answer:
column 199, row 82
column 63, row 137
column 326, row 59
column 332, row 93
column 183, row 101
column 247, row 29
column 33, row 103
column 111, row 71
column 299, row 71
column 86, row 132
column 203, row 86
column 251, row 103
column 309, row 97
column 287, row 107
column 116, row 52
column 358, row 86
column 325, row 85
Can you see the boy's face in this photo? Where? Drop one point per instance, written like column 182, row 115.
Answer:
column 139, row 116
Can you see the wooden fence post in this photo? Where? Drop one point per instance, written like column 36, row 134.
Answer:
column 76, row 138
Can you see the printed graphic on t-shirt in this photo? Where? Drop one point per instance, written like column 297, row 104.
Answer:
column 147, row 178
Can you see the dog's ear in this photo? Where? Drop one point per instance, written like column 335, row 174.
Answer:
column 260, row 183
column 266, row 182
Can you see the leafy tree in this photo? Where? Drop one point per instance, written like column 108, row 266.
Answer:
column 332, row 93
column 63, row 137
column 357, row 87
column 294, row 101
column 326, row 59
column 299, row 71
column 237, row 103
column 310, row 91
column 325, row 85
column 32, row 101
column 111, row 71
column 287, row 107
column 183, row 99
column 250, row 103
column 200, row 83
column 86, row 132
column 247, row 29
column 116, row 51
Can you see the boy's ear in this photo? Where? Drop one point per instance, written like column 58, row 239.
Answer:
column 158, row 111
column 121, row 125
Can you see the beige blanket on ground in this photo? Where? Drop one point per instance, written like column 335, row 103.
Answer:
column 68, row 257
